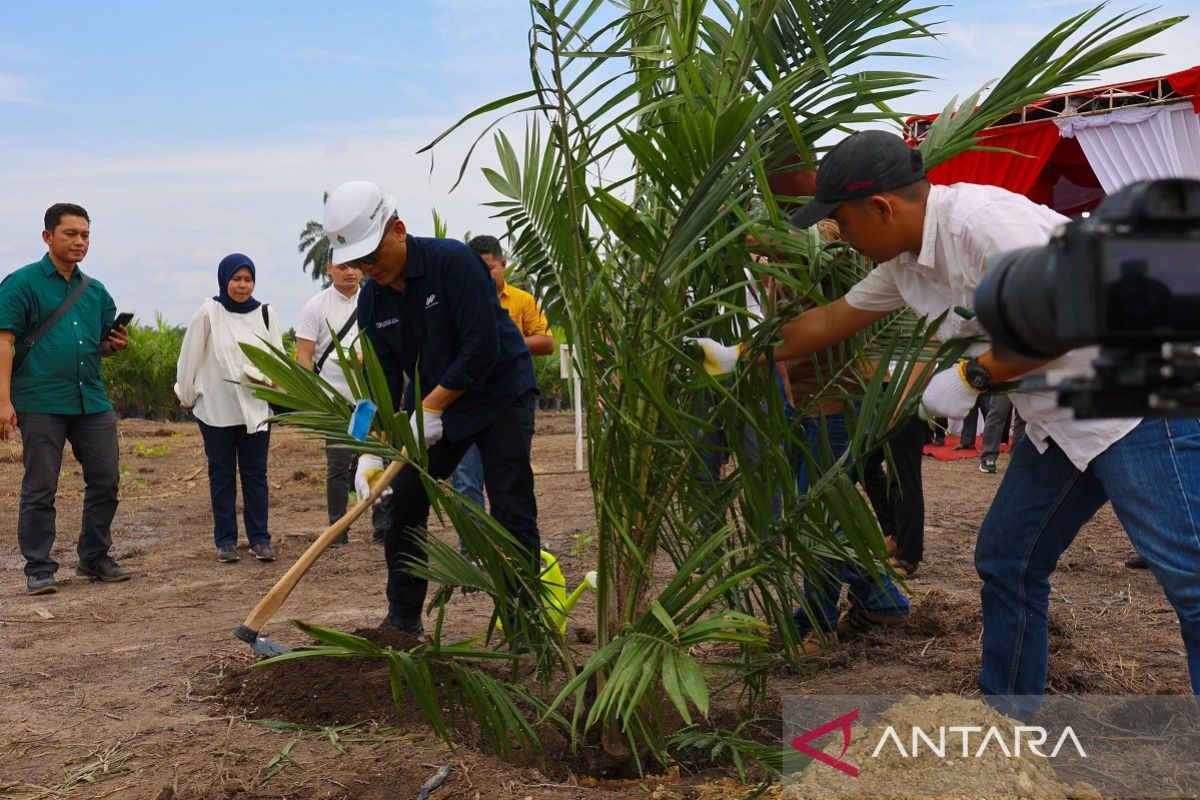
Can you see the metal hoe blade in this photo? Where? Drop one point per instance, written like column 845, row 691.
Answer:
column 261, row 644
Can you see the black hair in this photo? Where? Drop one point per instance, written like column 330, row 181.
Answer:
column 56, row 212
column 914, row 192
column 484, row 245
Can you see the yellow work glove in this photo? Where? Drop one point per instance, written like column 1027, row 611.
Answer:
column 719, row 359
column 370, row 469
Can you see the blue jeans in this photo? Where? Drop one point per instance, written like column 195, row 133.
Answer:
column 468, row 476
column 231, row 450
column 1152, row 477
column 823, row 585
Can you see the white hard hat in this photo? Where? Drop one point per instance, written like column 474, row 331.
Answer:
column 355, row 216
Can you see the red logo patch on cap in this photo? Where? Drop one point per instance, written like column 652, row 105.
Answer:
column 854, row 187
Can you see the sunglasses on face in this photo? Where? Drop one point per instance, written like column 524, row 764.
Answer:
column 373, row 256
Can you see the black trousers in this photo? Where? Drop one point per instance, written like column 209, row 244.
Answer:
column 508, row 478
column 901, row 506
column 93, row 439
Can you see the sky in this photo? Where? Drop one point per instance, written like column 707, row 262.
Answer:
column 190, row 131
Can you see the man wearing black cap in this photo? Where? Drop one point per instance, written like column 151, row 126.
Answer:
column 932, row 245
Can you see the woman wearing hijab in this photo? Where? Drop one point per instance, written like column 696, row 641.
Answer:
column 212, row 380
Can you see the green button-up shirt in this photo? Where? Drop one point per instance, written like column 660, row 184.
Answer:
column 61, row 375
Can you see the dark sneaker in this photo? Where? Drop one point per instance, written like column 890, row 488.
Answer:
column 40, row 584
column 1137, row 562
column 988, row 464
column 340, row 541
column 102, row 569
column 412, row 627
column 962, row 446
column 377, row 537
column 227, row 555
column 939, row 441
column 262, row 551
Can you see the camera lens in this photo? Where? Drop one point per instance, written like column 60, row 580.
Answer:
column 1015, row 303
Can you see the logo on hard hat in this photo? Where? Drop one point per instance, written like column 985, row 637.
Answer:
column 341, row 239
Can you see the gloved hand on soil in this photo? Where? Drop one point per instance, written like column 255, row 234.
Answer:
column 370, row 469
column 433, row 426
column 719, row 359
column 949, row 395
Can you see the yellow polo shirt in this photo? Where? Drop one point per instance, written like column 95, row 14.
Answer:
column 524, row 310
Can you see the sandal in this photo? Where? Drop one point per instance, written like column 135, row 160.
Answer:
column 905, row 568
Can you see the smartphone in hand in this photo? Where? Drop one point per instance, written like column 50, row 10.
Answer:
column 123, row 319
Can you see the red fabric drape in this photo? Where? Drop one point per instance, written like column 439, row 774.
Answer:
column 1187, row 83
column 1017, row 173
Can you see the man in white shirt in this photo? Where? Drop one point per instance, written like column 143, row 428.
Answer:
column 336, row 308
column 932, row 244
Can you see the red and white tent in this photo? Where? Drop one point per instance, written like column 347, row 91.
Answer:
column 1081, row 145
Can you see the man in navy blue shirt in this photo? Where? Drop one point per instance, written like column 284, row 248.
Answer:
column 431, row 313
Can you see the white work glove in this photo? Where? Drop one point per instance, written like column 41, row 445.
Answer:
column 949, row 395
column 719, row 359
column 370, row 468
column 433, row 426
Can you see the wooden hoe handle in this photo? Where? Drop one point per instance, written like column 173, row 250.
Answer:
column 273, row 599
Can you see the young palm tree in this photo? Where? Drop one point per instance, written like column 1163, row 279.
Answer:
column 651, row 129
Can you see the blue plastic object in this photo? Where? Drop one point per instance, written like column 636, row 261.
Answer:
column 360, row 420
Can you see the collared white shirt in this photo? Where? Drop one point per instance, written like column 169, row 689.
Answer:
column 327, row 309
column 966, row 224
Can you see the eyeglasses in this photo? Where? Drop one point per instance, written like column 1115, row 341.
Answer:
column 373, row 256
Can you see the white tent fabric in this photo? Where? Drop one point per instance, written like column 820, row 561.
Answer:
column 1136, row 144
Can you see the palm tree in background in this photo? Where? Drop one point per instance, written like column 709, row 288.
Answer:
column 315, row 247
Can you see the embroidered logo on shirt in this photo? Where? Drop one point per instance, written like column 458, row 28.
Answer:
column 384, row 323
column 431, row 301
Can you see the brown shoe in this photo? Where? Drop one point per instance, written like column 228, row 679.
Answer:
column 858, row 620
column 815, row 644
column 905, row 568
column 262, row 551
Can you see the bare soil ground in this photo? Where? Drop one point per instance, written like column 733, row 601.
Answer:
column 139, row 690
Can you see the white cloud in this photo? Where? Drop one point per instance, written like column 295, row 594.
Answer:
column 161, row 221
column 18, row 90
column 323, row 56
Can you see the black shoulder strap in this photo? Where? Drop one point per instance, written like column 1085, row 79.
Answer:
column 266, row 319
column 27, row 344
column 332, row 343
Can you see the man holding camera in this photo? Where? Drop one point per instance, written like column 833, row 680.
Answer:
column 932, row 245
column 54, row 395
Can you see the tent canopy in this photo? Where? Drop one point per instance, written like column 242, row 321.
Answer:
column 1072, row 149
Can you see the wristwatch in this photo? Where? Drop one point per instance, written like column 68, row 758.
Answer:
column 977, row 375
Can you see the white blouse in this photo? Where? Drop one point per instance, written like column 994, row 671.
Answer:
column 209, row 378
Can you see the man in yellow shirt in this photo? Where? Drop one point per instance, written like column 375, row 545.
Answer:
column 531, row 322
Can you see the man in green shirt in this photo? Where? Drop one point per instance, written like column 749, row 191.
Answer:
column 55, row 396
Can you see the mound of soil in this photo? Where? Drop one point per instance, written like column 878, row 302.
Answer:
column 323, row 690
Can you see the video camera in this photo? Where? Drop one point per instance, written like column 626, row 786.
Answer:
column 1126, row 278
